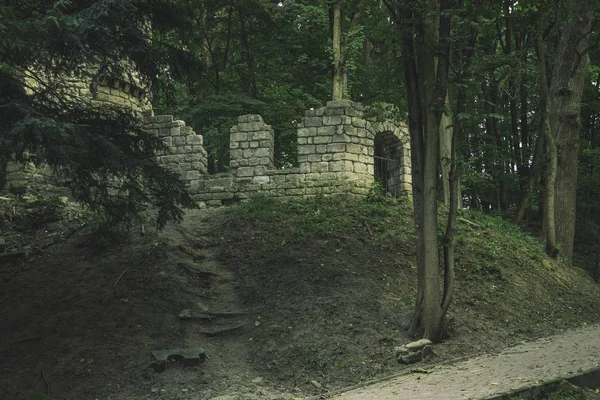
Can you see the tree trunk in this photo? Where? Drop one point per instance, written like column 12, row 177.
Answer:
column 247, row 54
column 338, row 73
column 565, row 94
column 446, row 133
column 548, row 134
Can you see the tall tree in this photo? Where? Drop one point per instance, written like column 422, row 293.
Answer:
column 572, row 59
column 425, row 47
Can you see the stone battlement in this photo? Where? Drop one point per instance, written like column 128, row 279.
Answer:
column 340, row 152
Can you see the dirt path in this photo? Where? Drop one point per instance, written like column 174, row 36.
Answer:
column 550, row 358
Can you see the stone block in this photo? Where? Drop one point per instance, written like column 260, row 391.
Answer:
column 250, row 118
column 267, row 161
column 332, row 120
column 164, row 132
column 336, row 148
column 326, row 130
column 321, row 148
column 238, row 137
column 418, row 345
column 340, row 138
column 186, row 130
column 320, row 139
column 358, row 122
column 360, row 168
column 294, row 178
column 313, row 121
column 294, row 192
column 194, row 140
column 305, row 168
column 245, row 171
column 334, row 111
column 339, row 166
column 263, row 152
column 260, row 170
column 319, row 167
column 236, row 154
column 191, row 175
column 162, row 118
column 178, row 141
column 315, row 158
column 261, row 135
column 254, row 144
column 306, row 132
column 354, row 148
column 306, row 149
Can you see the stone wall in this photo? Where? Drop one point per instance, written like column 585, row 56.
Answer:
column 186, row 153
column 128, row 92
column 336, row 149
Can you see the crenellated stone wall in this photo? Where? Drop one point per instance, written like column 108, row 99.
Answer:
column 338, row 154
column 186, row 153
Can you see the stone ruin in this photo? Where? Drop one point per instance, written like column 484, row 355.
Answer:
column 340, row 152
column 129, row 91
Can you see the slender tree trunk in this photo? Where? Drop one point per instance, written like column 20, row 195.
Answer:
column 247, row 53
column 338, row 73
column 565, row 94
column 446, row 134
column 548, row 133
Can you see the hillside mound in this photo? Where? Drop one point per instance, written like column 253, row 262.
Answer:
column 288, row 298
column 332, row 284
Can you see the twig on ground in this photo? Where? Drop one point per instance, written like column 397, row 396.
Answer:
column 466, row 221
column 367, row 227
column 119, row 278
column 47, row 384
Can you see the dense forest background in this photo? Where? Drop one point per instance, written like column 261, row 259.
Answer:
column 501, row 100
column 278, row 59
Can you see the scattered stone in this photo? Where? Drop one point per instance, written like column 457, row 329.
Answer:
column 418, row 345
column 412, row 357
column 316, row 384
column 401, row 351
column 427, row 351
column 414, row 352
column 185, row 314
column 187, row 357
column 258, row 380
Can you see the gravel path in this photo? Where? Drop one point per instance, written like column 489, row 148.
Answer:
column 554, row 357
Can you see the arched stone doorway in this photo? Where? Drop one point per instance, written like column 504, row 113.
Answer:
column 388, row 163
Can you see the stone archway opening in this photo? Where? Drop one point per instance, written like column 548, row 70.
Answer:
column 388, row 163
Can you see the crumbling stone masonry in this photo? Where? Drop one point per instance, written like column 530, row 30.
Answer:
column 129, row 92
column 340, row 152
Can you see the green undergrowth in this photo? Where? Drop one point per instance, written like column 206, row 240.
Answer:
column 332, row 284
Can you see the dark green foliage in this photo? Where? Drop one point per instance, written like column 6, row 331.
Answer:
column 101, row 153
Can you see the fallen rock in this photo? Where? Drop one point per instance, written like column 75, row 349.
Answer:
column 418, row 345
column 187, row 357
column 427, row 351
column 412, row 357
column 258, row 380
column 401, row 351
column 316, row 384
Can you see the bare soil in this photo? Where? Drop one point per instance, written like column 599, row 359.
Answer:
column 281, row 309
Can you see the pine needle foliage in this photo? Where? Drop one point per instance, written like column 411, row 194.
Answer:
column 101, row 153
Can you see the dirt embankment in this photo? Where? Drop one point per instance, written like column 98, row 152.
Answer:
column 287, row 299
